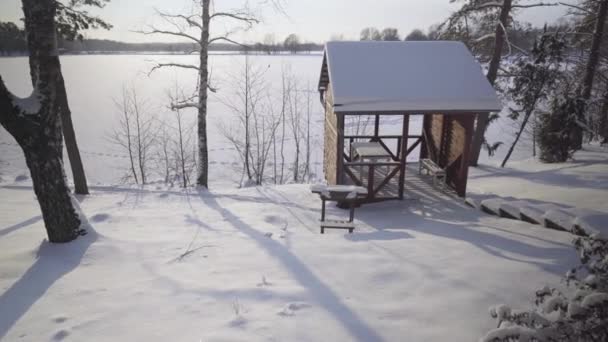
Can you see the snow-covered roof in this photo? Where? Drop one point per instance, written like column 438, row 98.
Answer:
column 405, row 77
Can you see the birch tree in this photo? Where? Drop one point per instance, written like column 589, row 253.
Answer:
column 195, row 27
column 35, row 122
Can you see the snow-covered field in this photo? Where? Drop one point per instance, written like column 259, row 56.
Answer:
column 250, row 264
column 94, row 82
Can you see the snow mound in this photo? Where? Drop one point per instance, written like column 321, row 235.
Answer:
column 592, row 222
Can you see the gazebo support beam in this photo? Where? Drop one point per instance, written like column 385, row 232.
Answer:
column 463, row 172
column 340, row 149
column 403, row 156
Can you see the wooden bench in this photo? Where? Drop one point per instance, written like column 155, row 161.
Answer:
column 348, row 194
column 434, row 170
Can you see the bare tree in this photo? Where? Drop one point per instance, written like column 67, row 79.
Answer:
column 135, row 133
column 181, row 26
column 253, row 133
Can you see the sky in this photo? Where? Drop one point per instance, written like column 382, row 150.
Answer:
column 312, row 20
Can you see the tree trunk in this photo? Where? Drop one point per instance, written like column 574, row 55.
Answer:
column 592, row 62
column 521, row 130
column 46, row 168
column 80, row 179
column 604, row 118
column 203, row 156
column 39, row 132
column 483, row 118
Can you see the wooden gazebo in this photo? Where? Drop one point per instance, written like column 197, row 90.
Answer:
column 440, row 81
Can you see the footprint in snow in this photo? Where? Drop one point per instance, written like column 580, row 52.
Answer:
column 291, row 308
column 21, row 178
column 60, row 319
column 60, row 335
column 100, row 217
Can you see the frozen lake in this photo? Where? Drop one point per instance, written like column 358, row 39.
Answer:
column 95, row 82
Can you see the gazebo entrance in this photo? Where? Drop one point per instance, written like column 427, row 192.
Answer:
column 378, row 161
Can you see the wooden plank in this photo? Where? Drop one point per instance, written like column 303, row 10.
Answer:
column 376, row 125
column 337, row 224
column 372, row 163
column 409, row 150
column 388, row 150
column 352, row 176
column 386, row 180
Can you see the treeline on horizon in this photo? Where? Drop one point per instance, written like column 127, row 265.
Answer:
column 13, row 43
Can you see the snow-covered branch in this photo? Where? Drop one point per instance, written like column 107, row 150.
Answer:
column 539, row 4
column 175, row 65
column 484, row 37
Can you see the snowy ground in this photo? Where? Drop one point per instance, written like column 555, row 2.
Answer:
column 249, row 264
column 581, row 182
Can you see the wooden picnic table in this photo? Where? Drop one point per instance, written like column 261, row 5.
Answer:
column 369, row 150
column 348, row 194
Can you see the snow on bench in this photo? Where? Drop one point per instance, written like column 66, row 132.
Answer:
column 434, row 170
column 338, row 193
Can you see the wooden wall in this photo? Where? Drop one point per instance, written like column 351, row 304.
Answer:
column 449, row 137
column 330, row 155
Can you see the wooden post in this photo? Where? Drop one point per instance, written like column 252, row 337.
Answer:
column 424, row 152
column 463, row 172
column 403, row 154
column 340, row 147
column 370, row 181
column 376, row 127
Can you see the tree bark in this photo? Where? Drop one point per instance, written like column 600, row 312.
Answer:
column 604, row 118
column 37, row 126
column 521, row 130
column 483, row 118
column 590, row 68
column 203, row 154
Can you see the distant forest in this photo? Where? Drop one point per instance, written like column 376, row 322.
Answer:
column 13, row 43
